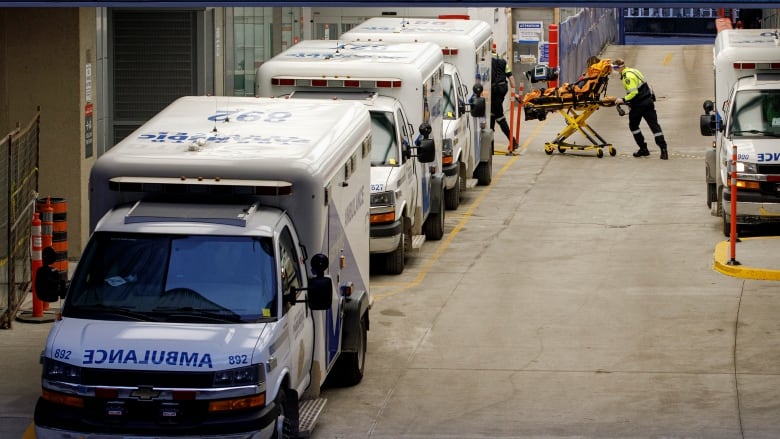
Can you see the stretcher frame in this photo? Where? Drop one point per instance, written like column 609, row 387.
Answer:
column 576, row 111
column 577, row 122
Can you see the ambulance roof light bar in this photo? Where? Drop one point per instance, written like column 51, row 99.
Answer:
column 756, row 66
column 336, row 83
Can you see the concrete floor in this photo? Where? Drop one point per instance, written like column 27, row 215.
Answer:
column 574, row 297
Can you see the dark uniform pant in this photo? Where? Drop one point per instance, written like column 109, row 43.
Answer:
column 645, row 110
column 497, row 108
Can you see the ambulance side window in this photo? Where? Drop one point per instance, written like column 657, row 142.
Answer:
column 406, row 136
column 288, row 262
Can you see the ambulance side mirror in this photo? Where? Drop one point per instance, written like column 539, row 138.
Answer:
column 48, row 285
column 477, row 101
column 426, row 151
column 707, row 124
column 426, row 148
column 320, row 290
column 477, row 107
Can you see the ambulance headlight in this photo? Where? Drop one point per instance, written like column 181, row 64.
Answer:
column 59, row 371
column 386, row 198
column 747, row 168
column 446, row 147
column 242, row 376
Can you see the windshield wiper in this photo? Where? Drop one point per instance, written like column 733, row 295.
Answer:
column 121, row 311
column 216, row 314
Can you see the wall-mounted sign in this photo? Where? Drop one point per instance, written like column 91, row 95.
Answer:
column 88, row 148
column 529, row 32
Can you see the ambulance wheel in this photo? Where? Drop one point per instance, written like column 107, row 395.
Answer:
column 394, row 261
column 599, row 153
column 727, row 226
column 452, row 196
column 283, row 428
column 612, row 151
column 484, row 172
column 712, row 196
column 434, row 225
column 351, row 365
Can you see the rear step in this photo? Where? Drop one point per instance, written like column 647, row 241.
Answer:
column 417, row 241
column 309, row 412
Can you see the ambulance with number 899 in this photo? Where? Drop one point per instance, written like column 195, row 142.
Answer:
column 225, row 279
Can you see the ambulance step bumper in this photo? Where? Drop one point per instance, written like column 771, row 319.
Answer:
column 417, row 241
column 309, row 412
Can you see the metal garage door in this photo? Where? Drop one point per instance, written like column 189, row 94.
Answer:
column 153, row 62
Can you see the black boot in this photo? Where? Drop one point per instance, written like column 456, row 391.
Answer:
column 664, row 154
column 642, row 152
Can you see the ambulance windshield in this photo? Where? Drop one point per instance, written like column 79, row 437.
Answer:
column 182, row 278
column 756, row 113
column 384, row 145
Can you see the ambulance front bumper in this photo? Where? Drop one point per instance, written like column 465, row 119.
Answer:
column 384, row 238
column 753, row 207
column 54, row 421
column 450, row 175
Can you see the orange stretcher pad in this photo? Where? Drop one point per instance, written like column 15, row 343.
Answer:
column 576, row 102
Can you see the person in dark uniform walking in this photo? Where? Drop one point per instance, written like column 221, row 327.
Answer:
column 501, row 79
column 641, row 102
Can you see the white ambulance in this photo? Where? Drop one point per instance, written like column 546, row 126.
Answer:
column 745, row 114
column 401, row 84
column 226, row 278
column 466, row 46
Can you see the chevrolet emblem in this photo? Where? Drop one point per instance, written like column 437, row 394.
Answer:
column 145, row 393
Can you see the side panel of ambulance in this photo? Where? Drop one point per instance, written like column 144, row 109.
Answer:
column 225, row 279
column 745, row 114
column 374, row 73
column 466, row 45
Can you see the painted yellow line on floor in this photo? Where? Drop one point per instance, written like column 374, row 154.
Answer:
column 667, row 59
column 444, row 244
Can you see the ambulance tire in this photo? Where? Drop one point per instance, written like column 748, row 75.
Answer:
column 727, row 227
column 434, row 225
column 484, row 172
column 452, row 196
column 283, row 428
column 351, row 365
column 394, row 261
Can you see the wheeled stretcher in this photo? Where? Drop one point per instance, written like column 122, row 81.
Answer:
column 575, row 102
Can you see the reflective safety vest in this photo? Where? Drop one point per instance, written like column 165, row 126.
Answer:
column 635, row 85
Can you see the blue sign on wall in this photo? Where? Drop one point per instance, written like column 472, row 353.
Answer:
column 544, row 52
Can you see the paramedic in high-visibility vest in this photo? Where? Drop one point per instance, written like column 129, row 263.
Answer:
column 641, row 101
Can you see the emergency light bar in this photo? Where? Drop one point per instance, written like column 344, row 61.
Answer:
column 336, row 83
column 754, row 66
column 447, row 51
column 199, row 185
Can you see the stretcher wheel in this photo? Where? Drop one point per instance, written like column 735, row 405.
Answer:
column 599, row 153
column 549, row 149
column 561, row 149
column 612, row 151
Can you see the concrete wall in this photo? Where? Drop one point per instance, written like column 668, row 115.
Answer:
column 44, row 53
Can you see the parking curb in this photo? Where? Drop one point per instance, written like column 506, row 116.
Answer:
column 722, row 258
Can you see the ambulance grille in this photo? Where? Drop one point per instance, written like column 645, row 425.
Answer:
column 769, row 169
column 129, row 378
